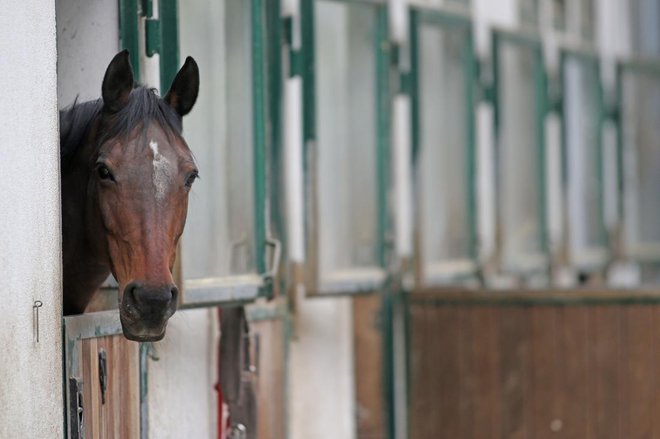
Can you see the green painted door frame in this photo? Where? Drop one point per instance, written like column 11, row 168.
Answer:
column 382, row 48
column 590, row 61
column 450, row 22
column 532, row 43
column 645, row 68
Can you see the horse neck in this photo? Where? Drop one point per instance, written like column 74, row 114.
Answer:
column 85, row 261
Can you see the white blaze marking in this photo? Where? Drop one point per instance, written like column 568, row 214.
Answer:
column 162, row 171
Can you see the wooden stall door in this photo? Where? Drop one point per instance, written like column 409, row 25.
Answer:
column 269, row 360
column 369, row 368
column 525, row 368
column 115, row 411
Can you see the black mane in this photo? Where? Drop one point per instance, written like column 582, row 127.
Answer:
column 144, row 106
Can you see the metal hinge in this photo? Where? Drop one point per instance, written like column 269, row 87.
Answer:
column 276, row 245
column 76, row 418
column 295, row 55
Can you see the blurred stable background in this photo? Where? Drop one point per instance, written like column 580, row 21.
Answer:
column 443, row 217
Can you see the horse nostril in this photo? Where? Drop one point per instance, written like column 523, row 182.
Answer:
column 131, row 292
column 151, row 297
column 175, row 293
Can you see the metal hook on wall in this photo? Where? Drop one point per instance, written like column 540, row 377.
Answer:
column 35, row 318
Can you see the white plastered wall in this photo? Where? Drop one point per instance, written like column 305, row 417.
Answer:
column 181, row 394
column 30, row 236
column 321, row 369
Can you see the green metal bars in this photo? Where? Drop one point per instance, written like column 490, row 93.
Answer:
column 129, row 33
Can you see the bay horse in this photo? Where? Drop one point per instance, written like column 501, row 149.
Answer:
column 126, row 173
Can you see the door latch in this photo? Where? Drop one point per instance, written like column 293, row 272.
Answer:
column 103, row 374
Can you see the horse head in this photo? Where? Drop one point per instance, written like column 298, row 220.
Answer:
column 125, row 193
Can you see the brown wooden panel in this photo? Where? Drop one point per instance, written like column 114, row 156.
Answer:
column 604, row 332
column 119, row 416
column 573, row 372
column 640, row 373
column 654, row 384
column 515, row 367
column 269, row 345
column 544, row 370
column 419, row 350
column 487, row 402
column 488, row 370
column 447, row 367
column 369, row 367
column 467, row 374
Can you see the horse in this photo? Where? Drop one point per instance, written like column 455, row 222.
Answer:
column 126, row 173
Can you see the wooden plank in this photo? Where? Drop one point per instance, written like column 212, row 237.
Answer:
column 369, row 367
column 654, row 384
column 544, row 354
column 487, row 402
column 515, row 365
column 639, row 373
column 573, row 373
column 270, row 377
column 91, row 401
column 430, row 388
column 446, row 350
column 114, row 385
column 587, row 296
column 604, row 329
column 467, row 372
column 419, row 359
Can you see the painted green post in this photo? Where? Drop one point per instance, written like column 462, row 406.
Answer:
column 128, row 33
column 169, row 52
column 259, row 122
column 383, row 115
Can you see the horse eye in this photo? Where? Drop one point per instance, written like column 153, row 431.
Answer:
column 191, row 179
column 104, row 172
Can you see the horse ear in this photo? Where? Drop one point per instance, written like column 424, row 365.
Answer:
column 184, row 89
column 117, row 82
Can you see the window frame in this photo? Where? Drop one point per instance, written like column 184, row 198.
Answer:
column 538, row 263
column 450, row 270
column 594, row 258
column 360, row 280
column 648, row 253
column 231, row 289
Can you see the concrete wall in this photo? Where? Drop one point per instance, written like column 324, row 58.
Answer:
column 321, row 394
column 30, row 261
column 181, row 394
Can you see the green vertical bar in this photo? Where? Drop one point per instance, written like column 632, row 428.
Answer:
column 495, row 94
column 619, row 142
column 382, row 47
column 169, row 53
column 541, row 108
column 414, row 83
column 128, row 33
column 258, row 113
column 600, row 155
column 309, row 102
column 275, row 185
column 469, row 61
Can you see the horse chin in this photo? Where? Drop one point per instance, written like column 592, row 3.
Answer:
column 138, row 331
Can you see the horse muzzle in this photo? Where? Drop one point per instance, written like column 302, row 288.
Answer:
column 145, row 310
